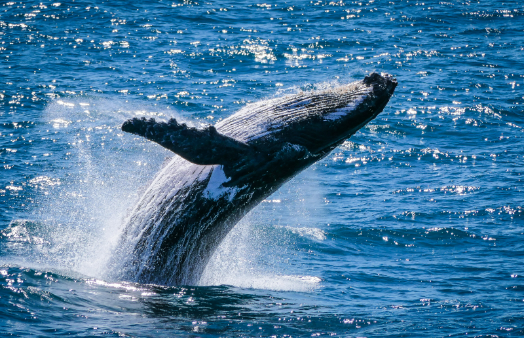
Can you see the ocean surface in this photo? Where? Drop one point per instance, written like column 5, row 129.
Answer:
column 414, row 227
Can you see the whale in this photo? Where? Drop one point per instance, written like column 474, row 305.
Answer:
column 222, row 171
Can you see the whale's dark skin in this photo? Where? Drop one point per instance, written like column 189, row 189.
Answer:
column 225, row 170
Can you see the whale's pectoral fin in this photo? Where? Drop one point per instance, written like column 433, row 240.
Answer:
column 200, row 146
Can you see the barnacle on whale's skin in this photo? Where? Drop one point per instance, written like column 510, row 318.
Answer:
column 225, row 170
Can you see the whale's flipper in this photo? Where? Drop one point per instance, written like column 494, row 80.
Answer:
column 200, row 146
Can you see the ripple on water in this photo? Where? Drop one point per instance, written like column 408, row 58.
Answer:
column 412, row 227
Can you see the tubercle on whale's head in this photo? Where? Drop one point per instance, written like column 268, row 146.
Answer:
column 361, row 102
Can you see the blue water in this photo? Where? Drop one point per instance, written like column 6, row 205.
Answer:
column 414, row 227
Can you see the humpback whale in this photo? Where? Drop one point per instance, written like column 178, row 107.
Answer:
column 224, row 171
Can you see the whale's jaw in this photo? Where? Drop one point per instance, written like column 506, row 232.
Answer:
column 316, row 120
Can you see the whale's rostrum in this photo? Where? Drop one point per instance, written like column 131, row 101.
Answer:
column 225, row 170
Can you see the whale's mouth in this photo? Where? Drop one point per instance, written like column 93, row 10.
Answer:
column 314, row 119
column 317, row 120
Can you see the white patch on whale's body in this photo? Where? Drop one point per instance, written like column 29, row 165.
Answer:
column 215, row 187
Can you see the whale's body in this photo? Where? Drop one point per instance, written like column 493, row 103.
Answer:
column 226, row 170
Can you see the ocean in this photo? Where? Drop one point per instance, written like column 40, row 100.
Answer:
column 414, row 227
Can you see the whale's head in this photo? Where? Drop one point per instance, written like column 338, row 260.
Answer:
column 284, row 134
column 316, row 120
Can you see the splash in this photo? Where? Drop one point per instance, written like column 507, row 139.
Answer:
column 90, row 178
column 253, row 258
column 313, row 233
column 94, row 176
